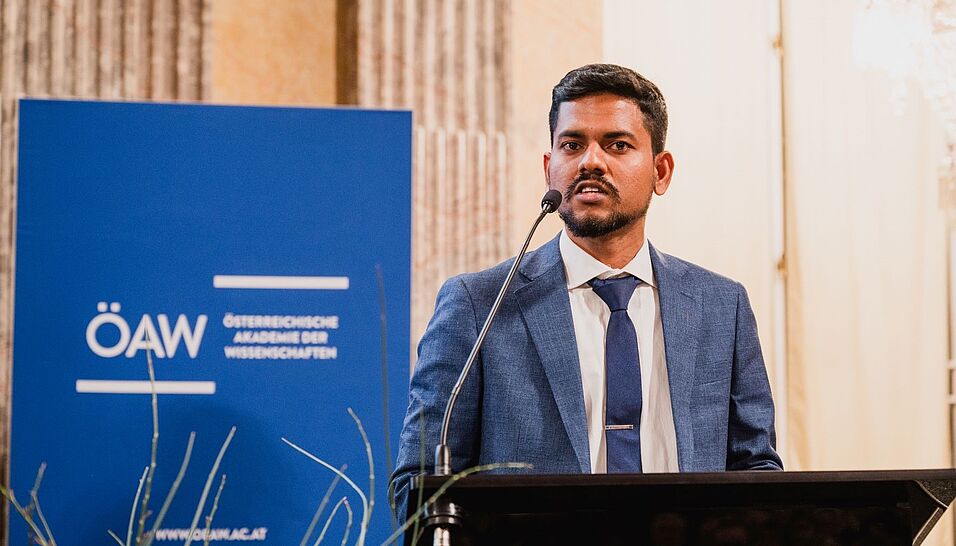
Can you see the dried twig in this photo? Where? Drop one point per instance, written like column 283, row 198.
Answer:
column 35, row 505
column 383, row 349
column 321, row 508
column 348, row 524
column 417, row 535
column 46, row 527
column 132, row 513
column 205, row 491
column 212, row 512
column 25, row 515
column 116, row 538
column 444, row 487
column 367, row 515
column 172, row 491
column 148, row 488
column 356, row 488
column 335, row 509
column 36, row 487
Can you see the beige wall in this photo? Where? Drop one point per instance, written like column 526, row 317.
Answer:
column 867, row 260
column 280, row 53
column 544, row 31
column 715, row 65
column 866, row 324
column 868, row 256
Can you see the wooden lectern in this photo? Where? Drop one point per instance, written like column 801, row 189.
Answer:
column 729, row 508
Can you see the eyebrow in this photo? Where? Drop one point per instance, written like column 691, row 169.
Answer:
column 619, row 134
column 571, row 133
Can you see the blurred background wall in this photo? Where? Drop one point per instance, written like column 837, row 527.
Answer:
column 800, row 172
column 867, row 256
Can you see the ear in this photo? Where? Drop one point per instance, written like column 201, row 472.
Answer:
column 664, row 166
column 547, row 175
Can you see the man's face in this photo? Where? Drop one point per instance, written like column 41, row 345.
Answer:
column 601, row 160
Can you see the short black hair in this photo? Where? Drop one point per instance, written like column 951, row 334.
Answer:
column 594, row 79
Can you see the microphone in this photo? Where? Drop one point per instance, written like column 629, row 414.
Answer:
column 551, row 201
column 443, row 515
column 549, row 204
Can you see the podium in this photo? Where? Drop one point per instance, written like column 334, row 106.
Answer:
column 728, row 508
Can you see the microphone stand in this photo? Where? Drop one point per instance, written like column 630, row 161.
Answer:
column 443, row 514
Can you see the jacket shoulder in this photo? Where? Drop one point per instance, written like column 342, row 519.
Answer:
column 479, row 285
column 486, row 283
column 693, row 274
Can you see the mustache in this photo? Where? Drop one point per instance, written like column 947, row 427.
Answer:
column 592, row 176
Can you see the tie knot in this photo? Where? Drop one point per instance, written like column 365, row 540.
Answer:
column 615, row 292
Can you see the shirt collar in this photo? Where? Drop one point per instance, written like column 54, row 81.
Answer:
column 580, row 267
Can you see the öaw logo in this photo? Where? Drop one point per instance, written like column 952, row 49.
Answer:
column 164, row 343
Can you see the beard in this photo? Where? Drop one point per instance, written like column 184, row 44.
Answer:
column 587, row 225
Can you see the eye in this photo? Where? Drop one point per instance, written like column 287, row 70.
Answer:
column 619, row 146
column 571, row 146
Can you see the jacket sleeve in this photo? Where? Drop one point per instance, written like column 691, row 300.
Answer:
column 751, row 440
column 442, row 353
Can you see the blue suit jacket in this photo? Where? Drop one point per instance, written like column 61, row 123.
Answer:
column 523, row 400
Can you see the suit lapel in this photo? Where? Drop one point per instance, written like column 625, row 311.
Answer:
column 546, row 309
column 681, row 315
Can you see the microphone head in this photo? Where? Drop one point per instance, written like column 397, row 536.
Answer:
column 551, row 201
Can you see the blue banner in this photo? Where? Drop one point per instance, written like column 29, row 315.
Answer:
column 251, row 250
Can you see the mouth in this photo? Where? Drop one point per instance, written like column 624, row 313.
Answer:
column 589, row 187
column 591, row 191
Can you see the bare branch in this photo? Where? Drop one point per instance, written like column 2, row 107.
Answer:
column 212, row 512
column 321, row 508
column 132, row 513
column 172, row 490
column 367, row 514
column 8, row 493
column 205, row 490
column 335, row 509
column 361, row 494
column 46, row 526
column 36, row 486
column 348, row 524
column 147, row 492
column 383, row 350
column 116, row 538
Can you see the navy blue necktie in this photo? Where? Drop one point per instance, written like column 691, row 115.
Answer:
column 622, row 416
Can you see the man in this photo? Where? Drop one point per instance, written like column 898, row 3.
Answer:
column 606, row 355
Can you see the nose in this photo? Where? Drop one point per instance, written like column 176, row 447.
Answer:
column 593, row 160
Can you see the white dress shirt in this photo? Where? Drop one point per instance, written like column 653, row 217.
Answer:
column 590, row 316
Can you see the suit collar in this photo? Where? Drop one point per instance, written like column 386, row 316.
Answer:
column 542, row 260
column 671, row 268
column 681, row 306
column 546, row 309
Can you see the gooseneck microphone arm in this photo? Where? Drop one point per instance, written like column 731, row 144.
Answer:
column 549, row 204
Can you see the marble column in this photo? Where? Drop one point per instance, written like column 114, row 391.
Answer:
column 448, row 62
